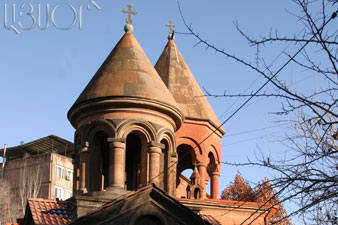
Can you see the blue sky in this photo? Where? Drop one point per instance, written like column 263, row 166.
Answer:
column 42, row 72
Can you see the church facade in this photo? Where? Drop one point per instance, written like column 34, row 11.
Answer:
column 138, row 127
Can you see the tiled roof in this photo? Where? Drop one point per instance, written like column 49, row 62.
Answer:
column 49, row 211
column 210, row 219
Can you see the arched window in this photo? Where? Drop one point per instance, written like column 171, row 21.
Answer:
column 133, row 161
column 164, row 165
column 186, row 155
column 212, row 166
column 197, row 193
column 99, row 162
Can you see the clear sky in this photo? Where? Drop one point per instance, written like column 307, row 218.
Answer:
column 42, row 72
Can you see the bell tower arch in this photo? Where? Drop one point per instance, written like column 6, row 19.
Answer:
column 125, row 121
column 201, row 129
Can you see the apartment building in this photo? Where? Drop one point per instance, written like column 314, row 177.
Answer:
column 42, row 168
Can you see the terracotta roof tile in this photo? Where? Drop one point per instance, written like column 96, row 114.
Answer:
column 49, row 211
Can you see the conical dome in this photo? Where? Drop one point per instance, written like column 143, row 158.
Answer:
column 183, row 86
column 128, row 74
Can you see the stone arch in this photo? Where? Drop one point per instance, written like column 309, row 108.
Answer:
column 138, row 135
column 164, row 165
column 167, row 160
column 135, row 160
column 212, row 163
column 190, row 141
column 186, row 160
column 98, row 160
column 99, row 125
column 213, row 171
column 169, row 136
column 197, row 193
column 168, row 139
column 214, row 151
column 141, row 127
column 97, row 134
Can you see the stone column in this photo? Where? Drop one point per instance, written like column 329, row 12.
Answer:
column 154, row 162
column 202, row 170
column 117, row 157
column 83, row 168
column 76, row 172
column 214, row 177
column 172, row 174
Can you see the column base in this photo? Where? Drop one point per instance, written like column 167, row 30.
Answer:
column 115, row 189
column 82, row 191
column 110, row 193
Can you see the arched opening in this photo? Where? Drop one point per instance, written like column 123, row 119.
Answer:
column 148, row 220
column 99, row 162
column 212, row 162
column 197, row 193
column 76, row 156
column 184, row 183
column 211, row 167
column 164, row 166
column 133, row 161
column 186, row 156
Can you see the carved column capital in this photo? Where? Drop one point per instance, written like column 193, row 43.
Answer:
column 173, row 155
column 112, row 140
column 84, row 148
column 215, row 174
column 200, row 164
column 156, row 144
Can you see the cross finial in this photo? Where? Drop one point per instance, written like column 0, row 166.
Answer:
column 129, row 11
column 171, row 31
column 129, row 27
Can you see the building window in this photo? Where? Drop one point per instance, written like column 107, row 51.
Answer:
column 69, row 175
column 58, row 192
column 60, row 171
column 68, row 194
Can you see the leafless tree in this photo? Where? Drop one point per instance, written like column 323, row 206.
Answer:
column 7, row 210
column 308, row 172
column 30, row 183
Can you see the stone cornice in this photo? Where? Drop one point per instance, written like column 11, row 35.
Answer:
column 120, row 103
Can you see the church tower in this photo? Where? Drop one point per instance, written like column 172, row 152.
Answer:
column 125, row 121
column 199, row 138
column 138, row 127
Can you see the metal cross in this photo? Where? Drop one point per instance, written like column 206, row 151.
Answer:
column 129, row 11
column 170, row 25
